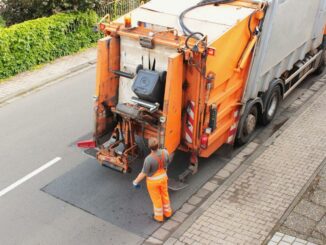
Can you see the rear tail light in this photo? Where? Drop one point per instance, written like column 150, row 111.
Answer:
column 87, row 144
column 204, row 138
column 211, row 51
column 204, row 141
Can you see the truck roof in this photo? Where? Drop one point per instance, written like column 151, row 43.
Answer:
column 211, row 20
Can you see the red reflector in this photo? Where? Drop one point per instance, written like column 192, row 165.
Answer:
column 211, row 51
column 204, row 141
column 87, row 144
column 102, row 26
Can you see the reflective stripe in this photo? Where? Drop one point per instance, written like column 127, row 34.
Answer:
column 158, row 211
column 158, row 177
column 167, row 208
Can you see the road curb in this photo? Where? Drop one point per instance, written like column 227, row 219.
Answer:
column 44, row 82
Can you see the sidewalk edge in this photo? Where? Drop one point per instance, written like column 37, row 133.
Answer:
column 70, row 71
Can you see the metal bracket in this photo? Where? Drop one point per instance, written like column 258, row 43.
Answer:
column 146, row 42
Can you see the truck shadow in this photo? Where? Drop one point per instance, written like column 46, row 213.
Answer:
column 109, row 195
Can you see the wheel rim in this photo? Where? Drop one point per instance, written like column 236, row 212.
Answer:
column 273, row 106
column 250, row 124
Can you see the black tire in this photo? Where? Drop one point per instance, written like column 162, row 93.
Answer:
column 321, row 66
column 247, row 125
column 272, row 103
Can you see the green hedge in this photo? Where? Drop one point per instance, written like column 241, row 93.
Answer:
column 34, row 42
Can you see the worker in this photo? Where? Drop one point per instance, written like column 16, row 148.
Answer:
column 154, row 169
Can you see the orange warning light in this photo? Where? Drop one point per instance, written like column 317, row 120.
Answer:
column 127, row 21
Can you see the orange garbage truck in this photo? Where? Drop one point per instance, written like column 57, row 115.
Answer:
column 199, row 74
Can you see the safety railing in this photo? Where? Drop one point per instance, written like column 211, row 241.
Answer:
column 118, row 8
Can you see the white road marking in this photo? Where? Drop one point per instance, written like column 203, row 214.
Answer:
column 29, row 176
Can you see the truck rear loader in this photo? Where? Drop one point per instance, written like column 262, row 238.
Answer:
column 199, row 74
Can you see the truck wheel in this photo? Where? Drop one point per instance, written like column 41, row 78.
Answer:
column 272, row 103
column 247, row 125
column 321, row 67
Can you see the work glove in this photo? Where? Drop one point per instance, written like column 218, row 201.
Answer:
column 135, row 185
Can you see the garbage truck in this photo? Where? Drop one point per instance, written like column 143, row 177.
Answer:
column 197, row 74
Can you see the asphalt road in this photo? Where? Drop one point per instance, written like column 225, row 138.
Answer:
column 74, row 201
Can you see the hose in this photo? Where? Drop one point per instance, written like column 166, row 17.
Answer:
column 192, row 35
column 185, row 29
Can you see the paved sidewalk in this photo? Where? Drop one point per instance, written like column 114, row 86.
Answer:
column 249, row 208
column 55, row 70
column 283, row 239
column 307, row 220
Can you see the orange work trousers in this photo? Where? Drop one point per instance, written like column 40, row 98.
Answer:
column 157, row 186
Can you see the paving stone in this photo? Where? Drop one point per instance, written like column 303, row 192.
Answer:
column 217, row 180
column 322, row 183
column 179, row 243
column 223, row 173
column 299, row 243
column 292, row 233
column 202, row 193
column 161, row 234
column 279, row 234
column 323, row 171
column 317, row 235
column 179, row 216
column 276, row 238
column 237, row 161
column 288, row 239
column 284, row 243
column 314, row 241
column 153, row 241
column 187, row 208
column 170, row 225
column 194, row 200
column 272, row 243
column 319, row 197
column 210, row 186
column 230, row 168
column 321, row 227
column 250, row 148
column 300, row 223
column 170, row 241
column 316, row 86
column 310, row 210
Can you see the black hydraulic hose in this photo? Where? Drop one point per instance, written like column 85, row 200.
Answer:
column 185, row 29
column 192, row 35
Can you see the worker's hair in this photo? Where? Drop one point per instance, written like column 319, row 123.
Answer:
column 153, row 144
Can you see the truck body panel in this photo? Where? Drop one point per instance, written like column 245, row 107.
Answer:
column 211, row 20
column 291, row 29
column 216, row 79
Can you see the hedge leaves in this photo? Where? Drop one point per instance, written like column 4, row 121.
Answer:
column 34, row 42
